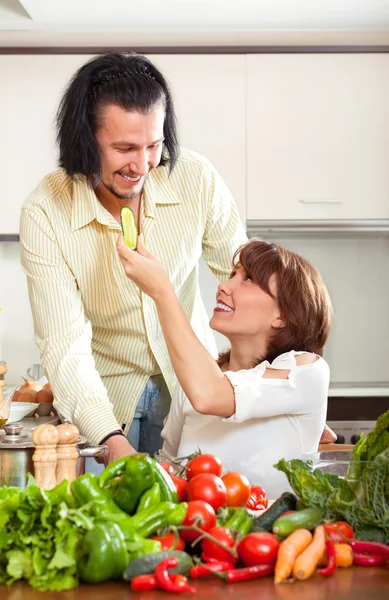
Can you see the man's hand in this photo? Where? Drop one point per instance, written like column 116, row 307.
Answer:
column 118, row 446
column 328, row 436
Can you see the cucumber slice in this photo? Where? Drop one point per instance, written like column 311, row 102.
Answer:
column 129, row 228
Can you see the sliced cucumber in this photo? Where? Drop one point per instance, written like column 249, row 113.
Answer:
column 129, row 228
column 265, row 521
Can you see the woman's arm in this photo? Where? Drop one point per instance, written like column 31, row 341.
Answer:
column 208, row 390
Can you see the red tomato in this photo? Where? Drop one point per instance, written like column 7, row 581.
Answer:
column 204, row 463
column 181, row 487
column 287, row 512
column 167, row 542
column 258, row 549
column 238, row 488
column 214, row 551
column 208, row 487
column 168, row 467
column 200, row 513
column 339, row 531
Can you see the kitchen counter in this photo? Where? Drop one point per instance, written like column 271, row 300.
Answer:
column 355, row 583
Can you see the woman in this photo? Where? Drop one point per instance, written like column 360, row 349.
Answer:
column 266, row 398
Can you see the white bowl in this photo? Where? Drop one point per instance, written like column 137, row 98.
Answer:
column 19, row 410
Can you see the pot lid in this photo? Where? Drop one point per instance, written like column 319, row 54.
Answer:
column 14, row 436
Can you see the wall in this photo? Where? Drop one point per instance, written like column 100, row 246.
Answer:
column 357, row 277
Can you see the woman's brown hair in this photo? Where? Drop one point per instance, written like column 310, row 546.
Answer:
column 301, row 296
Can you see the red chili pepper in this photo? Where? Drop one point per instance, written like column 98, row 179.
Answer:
column 166, row 583
column 370, row 548
column 369, row 560
column 142, row 583
column 212, row 567
column 331, row 560
column 236, row 575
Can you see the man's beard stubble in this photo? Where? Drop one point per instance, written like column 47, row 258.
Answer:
column 130, row 196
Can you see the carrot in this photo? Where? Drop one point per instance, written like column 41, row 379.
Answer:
column 308, row 560
column 288, row 551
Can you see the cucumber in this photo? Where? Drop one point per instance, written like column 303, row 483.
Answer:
column 287, row 501
column 147, row 564
column 308, row 518
column 129, row 228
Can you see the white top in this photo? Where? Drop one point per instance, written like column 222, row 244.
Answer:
column 274, row 418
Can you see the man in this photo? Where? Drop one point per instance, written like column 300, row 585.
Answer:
column 101, row 344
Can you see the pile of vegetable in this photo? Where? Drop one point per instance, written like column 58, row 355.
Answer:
column 362, row 497
column 156, row 526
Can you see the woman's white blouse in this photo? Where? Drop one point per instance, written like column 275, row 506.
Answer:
column 273, row 419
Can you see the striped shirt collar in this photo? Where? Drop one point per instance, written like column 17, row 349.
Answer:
column 86, row 206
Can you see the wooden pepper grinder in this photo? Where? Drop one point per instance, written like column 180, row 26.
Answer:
column 67, row 453
column 45, row 439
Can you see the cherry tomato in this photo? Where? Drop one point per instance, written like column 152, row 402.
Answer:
column 204, row 463
column 208, row 487
column 238, row 488
column 214, row 551
column 258, row 549
column 200, row 513
column 168, row 540
column 168, row 467
column 339, row 531
column 181, row 487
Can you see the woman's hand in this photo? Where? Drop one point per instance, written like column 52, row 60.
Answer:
column 143, row 269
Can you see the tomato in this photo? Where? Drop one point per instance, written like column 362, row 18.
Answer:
column 167, row 542
column 287, row 512
column 208, row 487
column 204, row 463
column 257, row 499
column 238, row 488
column 200, row 513
column 339, row 531
column 258, row 549
column 214, row 551
column 181, row 487
column 168, row 467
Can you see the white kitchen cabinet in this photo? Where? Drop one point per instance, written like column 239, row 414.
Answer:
column 317, row 136
column 209, row 95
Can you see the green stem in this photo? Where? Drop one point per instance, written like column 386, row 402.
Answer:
column 204, row 534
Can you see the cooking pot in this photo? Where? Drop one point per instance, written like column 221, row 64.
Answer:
column 17, row 449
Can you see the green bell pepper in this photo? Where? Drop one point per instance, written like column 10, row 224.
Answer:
column 115, row 469
column 150, row 520
column 104, row 554
column 138, row 477
column 166, row 484
column 150, row 497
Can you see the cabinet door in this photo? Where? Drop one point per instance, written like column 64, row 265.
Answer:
column 318, row 136
column 209, row 94
column 210, row 100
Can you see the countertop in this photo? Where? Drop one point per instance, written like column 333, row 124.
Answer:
column 355, row 583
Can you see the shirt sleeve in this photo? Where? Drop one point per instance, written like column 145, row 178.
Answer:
column 224, row 231
column 304, row 392
column 174, row 424
column 62, row 333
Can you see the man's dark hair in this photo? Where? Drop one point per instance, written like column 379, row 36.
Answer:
column 128, row 80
